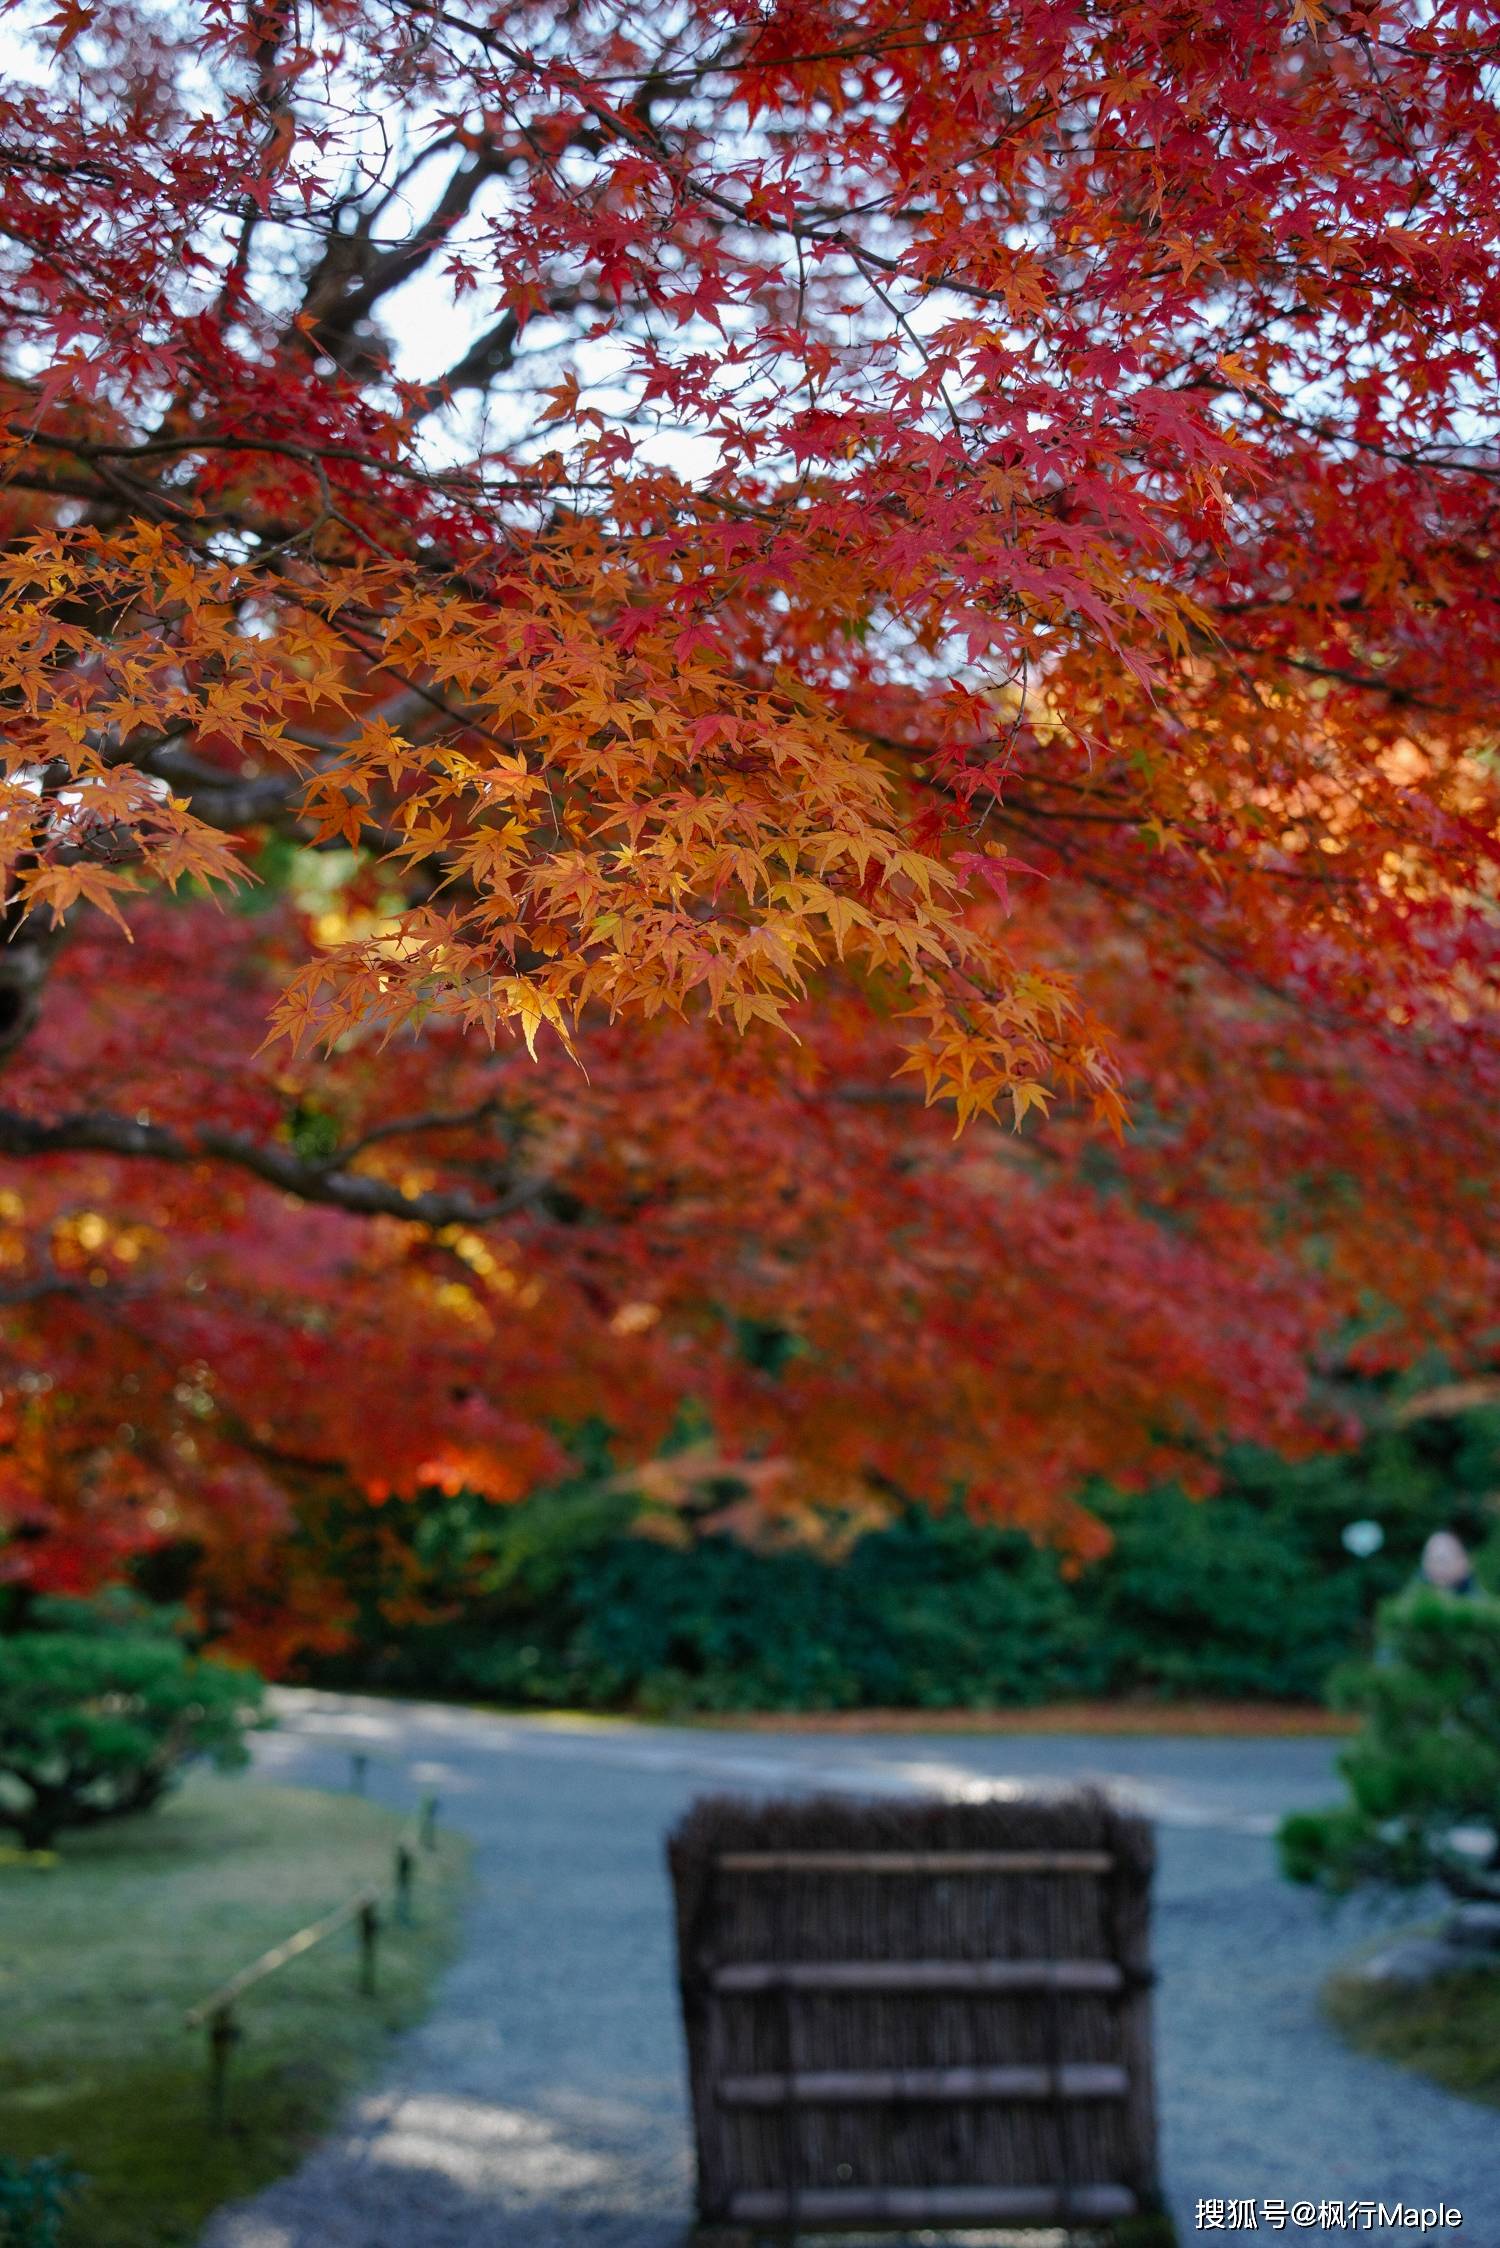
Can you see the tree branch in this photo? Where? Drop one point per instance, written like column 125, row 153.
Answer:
column 103, row 1132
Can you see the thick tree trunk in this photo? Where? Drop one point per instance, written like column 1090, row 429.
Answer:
column 37, row 1824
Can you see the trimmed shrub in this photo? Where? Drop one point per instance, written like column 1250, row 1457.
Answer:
column 101, row 1709
column 1424, row 1775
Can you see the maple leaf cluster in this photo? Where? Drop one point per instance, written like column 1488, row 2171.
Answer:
column 614, row 619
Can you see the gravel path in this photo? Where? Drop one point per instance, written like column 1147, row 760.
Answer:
column 541, row 2105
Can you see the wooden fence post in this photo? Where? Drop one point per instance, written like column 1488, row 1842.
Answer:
column 429, row 1817
column 224, row 2034
column 406, row 1863
column 217, row 2012
column 369, row 1931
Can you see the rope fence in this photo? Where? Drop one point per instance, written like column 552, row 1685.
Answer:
column 218, row 2013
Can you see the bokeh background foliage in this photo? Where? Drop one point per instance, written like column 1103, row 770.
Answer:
column 591, row 1596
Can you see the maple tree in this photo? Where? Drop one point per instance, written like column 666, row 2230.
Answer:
column 615, row 618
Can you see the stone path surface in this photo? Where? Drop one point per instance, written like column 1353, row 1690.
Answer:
column 542, row 2105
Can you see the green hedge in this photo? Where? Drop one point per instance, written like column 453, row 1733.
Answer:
column 1248, row 1594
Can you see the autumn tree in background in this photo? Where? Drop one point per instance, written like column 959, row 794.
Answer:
column 617, row 617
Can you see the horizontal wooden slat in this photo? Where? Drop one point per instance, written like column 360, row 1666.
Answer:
column 932, row 2205
column 750, row 1975
column 914, row 1861
column 1075, row 2080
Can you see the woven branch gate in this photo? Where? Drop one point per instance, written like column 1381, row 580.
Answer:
column 930, row 2014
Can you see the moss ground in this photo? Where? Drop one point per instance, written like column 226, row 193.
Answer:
column 1450, row 2031
column 102, row 1953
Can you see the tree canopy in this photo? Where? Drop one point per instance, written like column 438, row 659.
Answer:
column 616, row 617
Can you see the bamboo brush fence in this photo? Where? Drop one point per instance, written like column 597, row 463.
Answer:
column 917, row 2015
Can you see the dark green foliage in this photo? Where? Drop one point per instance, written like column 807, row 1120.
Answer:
column 1249, row 1594
column 33, row 2201
column 566, row 1606
column 1427, row 1762
column 931, row 1612
column 314, row 1135
column 271, row 870
column 101, row 1708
